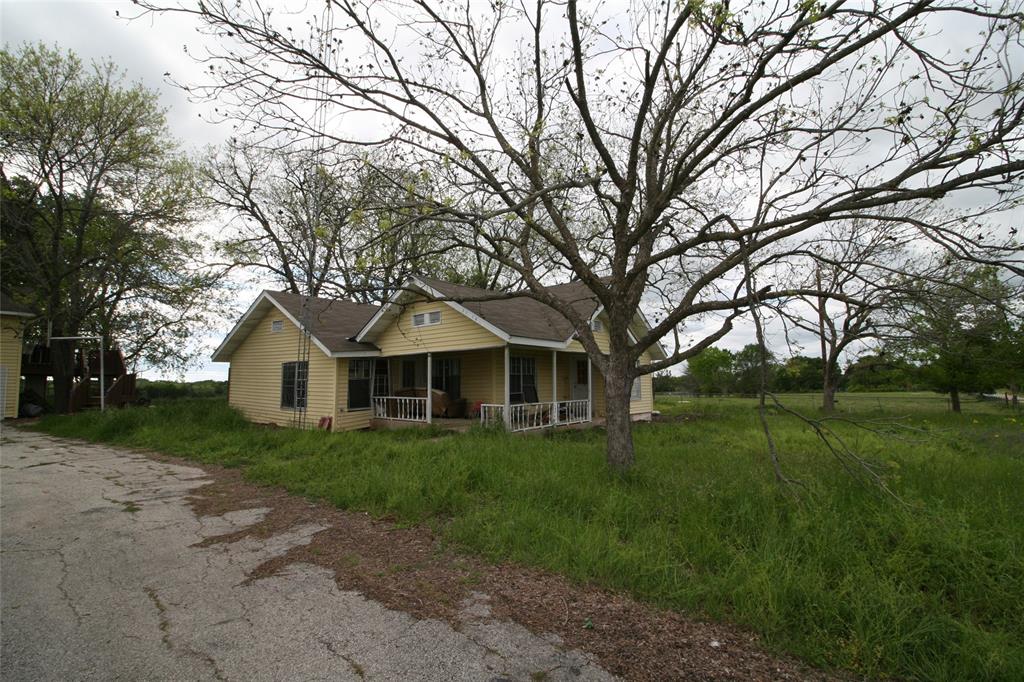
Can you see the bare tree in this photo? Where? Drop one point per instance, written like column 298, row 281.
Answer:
column 655, row 149
column 861, row 273
column 289, row 215
column 331, row 222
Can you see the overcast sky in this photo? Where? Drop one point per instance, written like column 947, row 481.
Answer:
column 147, row 49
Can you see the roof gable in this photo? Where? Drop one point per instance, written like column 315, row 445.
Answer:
column 332, row 323
column 514, row 319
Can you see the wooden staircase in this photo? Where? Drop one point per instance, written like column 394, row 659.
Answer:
column 120, row 384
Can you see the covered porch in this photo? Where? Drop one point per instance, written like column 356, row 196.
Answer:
column 520, row 388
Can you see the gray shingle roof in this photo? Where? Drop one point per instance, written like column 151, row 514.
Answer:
column 332, row 322
column 523, row 316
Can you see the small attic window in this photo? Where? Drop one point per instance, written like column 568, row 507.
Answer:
column 426, row 319
column 597, row 326
column 276, row 326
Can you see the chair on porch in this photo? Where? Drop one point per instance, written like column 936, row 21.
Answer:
column 536, row 411
column 442, row 404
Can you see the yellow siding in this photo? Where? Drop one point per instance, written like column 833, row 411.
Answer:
column 456, row 332
column 255, row 386
column 344, row 419
column 10, row 359
column 645, row 405
column 478, row 370
column 601, row 337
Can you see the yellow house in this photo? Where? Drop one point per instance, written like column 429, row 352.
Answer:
column 12, row 325
column 514, row 361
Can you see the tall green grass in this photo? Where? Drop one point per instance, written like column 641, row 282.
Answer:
column 930, row 588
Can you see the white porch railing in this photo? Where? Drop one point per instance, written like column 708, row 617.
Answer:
column 530, row 416
column 400, row 408
column 573, row 411
column 491, row 415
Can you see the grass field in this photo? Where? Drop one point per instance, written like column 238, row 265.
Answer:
column 930, row 588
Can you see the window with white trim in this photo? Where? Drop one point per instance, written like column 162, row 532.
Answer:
column 276, row 326
column 597, row 326
column 294, row 378
column 637, row 392
column 522, row 380
column 426, row 319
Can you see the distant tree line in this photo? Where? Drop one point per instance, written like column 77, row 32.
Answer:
column 172, row 390
column 717, row 371
column 963, row 335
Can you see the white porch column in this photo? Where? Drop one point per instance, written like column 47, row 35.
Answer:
column 590, row 389
column 430, row 391
column 507, row 412
column 554, row 386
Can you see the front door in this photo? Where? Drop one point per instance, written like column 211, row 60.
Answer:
column 580, row 387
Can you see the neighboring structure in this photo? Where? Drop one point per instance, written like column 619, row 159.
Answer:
column 12, row 327
column 513, row 360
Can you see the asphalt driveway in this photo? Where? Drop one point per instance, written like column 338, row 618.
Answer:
column 102, row 578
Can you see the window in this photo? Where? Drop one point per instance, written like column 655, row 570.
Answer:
column 276, row 326
column 637, row 391
column 294, row 378
column 360, row 372
column 597, row 326
column 381, row 384
column 447, row 377
column 522, row 380
column 426, row 319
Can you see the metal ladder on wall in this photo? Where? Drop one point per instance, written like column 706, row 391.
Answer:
column 302, row 367
column 305, row 315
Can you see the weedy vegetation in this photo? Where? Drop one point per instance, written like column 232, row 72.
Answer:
column 843, row 576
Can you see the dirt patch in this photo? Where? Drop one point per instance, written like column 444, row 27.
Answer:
column 409, row 569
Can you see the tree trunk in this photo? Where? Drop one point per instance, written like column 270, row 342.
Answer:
column 954, row 399
column 828, row 399
column 618, row 424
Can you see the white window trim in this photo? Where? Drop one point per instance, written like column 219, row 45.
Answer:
column 276, row 326
column 426, row 315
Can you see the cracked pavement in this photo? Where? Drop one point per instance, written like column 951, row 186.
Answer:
column 100, row 578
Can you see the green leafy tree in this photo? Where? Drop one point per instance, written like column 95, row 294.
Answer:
column 1008, row 359
column 666, row 382
column 746, row 370
column 711, row 370
column 880, row 372
column 953, row 330
column 800, row 373
column 98, row 212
